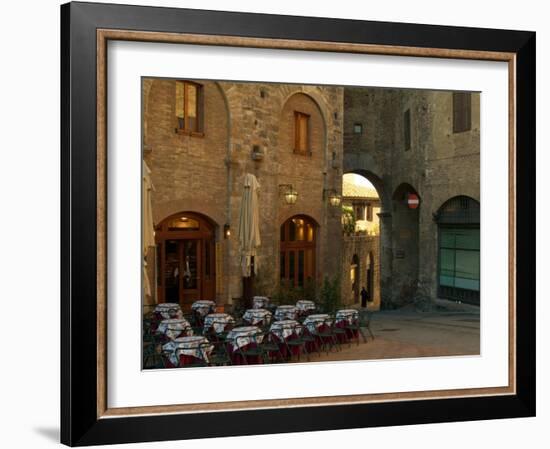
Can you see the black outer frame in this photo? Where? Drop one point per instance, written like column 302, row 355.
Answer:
column 79, row 422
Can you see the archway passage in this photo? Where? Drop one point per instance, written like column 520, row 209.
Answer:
column 297, row 257
column 362, row 209
column 459, row 245
column 186, row 259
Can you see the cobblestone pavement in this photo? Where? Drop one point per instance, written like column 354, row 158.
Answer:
column 400, row 334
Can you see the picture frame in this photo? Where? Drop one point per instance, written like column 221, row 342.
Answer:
column 85, row 30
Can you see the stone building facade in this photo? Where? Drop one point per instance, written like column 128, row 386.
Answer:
column 406, row 142
column 198, row 178
column 425, row 144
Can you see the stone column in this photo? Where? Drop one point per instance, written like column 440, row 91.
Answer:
column 386, row 258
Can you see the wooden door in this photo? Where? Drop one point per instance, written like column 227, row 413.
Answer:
column 191, row 271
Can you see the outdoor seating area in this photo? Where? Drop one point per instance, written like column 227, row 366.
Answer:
column 266, row 333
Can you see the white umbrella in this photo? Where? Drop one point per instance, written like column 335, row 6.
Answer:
column 249, row 224
column 148, row 227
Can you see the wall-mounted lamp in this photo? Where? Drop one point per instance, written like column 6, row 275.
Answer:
column 289, row 193
column 226, row 231
column 333, row 198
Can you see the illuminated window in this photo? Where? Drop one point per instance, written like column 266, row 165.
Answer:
column 183, row 224
column 189, row 104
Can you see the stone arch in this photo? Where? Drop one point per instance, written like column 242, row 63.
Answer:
column 378, row 184
column 169, row 208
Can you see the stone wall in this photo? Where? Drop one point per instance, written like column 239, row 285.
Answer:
column 205, row 174
column 361, row 246
column 438, row 165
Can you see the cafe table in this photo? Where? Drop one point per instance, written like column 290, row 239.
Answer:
column 257, row 317
column 175, row 327
column 184, row 350
column 260, row 302
column 240, row 338
column 203, row 307
column 286, row 313
column 305, row 306
column 218, row 322
column 168, row 310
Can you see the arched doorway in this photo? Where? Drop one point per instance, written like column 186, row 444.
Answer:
column 297, row 256
column 186, row 259
column 369, row 274
column 354, row 278
column 459, row 262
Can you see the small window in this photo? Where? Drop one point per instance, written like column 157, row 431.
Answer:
column 301, row 133
column 369, row 212
column 462, row 112
column 189, row 105
column 358, row 128
column 183, row 224
column 407, row 129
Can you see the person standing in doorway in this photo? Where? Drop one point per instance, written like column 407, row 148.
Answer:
column 364, row 297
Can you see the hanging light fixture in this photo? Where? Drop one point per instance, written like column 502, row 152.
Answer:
column 333, row 198
column 289, row 193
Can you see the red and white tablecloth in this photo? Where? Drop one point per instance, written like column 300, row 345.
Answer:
column 305, row 305
column 348, row 316
column 260, row 302
column 286, row 313
column 169, row 310
column 203, row 307
column 316, row 321
column 175, row 327
column 257, row 316
column 284, row 329
column 239, row 337
column 217, row 321
column 194, row 346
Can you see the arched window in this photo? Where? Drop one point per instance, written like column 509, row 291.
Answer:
column 297, row 257
column 459, row 244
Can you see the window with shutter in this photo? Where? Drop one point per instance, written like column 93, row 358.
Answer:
column 462, row 112
column 301, row 133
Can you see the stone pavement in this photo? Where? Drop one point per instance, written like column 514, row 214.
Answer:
column 407, row 333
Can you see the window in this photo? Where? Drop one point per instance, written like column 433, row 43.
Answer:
column 369, row 212
column 407, row 129
column 358, row 128
column 189, row 105
column 462, row 112
column 301, row 132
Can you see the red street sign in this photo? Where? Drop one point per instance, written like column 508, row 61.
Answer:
column 413, row 201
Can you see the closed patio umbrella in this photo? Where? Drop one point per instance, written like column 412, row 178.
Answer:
column 148, row 227
column 249, row 225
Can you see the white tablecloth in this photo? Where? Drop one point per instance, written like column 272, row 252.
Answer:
column 169, row 310
column 286, row 313
column 284, row 328
column 173, row 327
column 243, row 335
column 218, row 321
column 260, row 302
column 256, row 316
column 348, row 315
column 315, row 321
column 203, row 307
column 192, row 346
column 305, row 305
